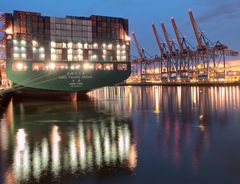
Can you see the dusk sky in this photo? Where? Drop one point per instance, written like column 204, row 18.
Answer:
column 219, row 19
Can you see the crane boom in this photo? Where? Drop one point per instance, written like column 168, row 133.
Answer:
column 177, row 34
column 166, row 37
column 195, row 30
column 137, row 45
column 158, row 40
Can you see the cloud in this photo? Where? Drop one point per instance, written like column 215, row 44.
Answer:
column 220, row 10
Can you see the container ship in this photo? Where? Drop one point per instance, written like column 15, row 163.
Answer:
column 65, row 55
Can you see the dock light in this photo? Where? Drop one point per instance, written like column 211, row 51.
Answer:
column 23, row 42
column 69, row 45
column 72, row 67
column 108, row 67
column 94, row 57
column 80, row 45
column 23, row 56
column 110, row 46
column 53, row 44
column 70, row 51
column 23, row 49
column 124, row 46
column 16, row 49
column 8, row 30
column 41, row 49
column 123, row 58
column 34, row 43
column 36, row 67
column 118, row 46
column 95, row 45
column 42, row 56
column 123, row 52
column 64, row 45
column 19, row 66
column 80, row 51
column 53, row 57
column 16, row 56
column 52, row 66
column 104, row 45
column 52, row 50
column 85, row 45
column 15, row 42
column 127, row 38
column 87, row 66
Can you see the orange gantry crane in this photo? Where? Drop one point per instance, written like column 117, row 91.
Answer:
column 184, row 62
column 180, row 43
column 173, row 56
column 164, row 58
column 166, row 38
column 142, row 58
column 187, row 54
column 210, row 54
column 195, row 29
column 163, row 55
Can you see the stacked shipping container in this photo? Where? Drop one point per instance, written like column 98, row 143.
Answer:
column 94, row 38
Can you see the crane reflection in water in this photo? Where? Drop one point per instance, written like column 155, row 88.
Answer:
column 179, row 119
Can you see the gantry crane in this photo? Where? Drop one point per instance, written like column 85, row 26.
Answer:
column 188, row 63
column 173, row 56
column 204, row 58
column 210, row 55
column 187, row 54
column 142, row 58
column 163, row 59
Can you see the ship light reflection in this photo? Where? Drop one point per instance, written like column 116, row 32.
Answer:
column 55, row 138
column 82, row 148
column 21, row 139
column 21, row 159
column 133, row 157
column 36, row 163
column 107, row 148
column 90, row 148
column 73, row 152
column 45, row 154
column 98, row 149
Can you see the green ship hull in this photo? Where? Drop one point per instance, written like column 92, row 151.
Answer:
column 67, row 80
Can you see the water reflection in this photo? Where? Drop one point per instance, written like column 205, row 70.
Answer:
column 122, row 130
column 182, row 117
column 67, row 143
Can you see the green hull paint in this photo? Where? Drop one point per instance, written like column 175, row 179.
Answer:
column 68, row 80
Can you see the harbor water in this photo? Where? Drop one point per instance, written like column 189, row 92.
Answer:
column 149, row 134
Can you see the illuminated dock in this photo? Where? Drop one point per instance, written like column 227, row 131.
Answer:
column 181, row 63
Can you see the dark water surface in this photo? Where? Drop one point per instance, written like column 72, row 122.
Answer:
column 125, row 135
